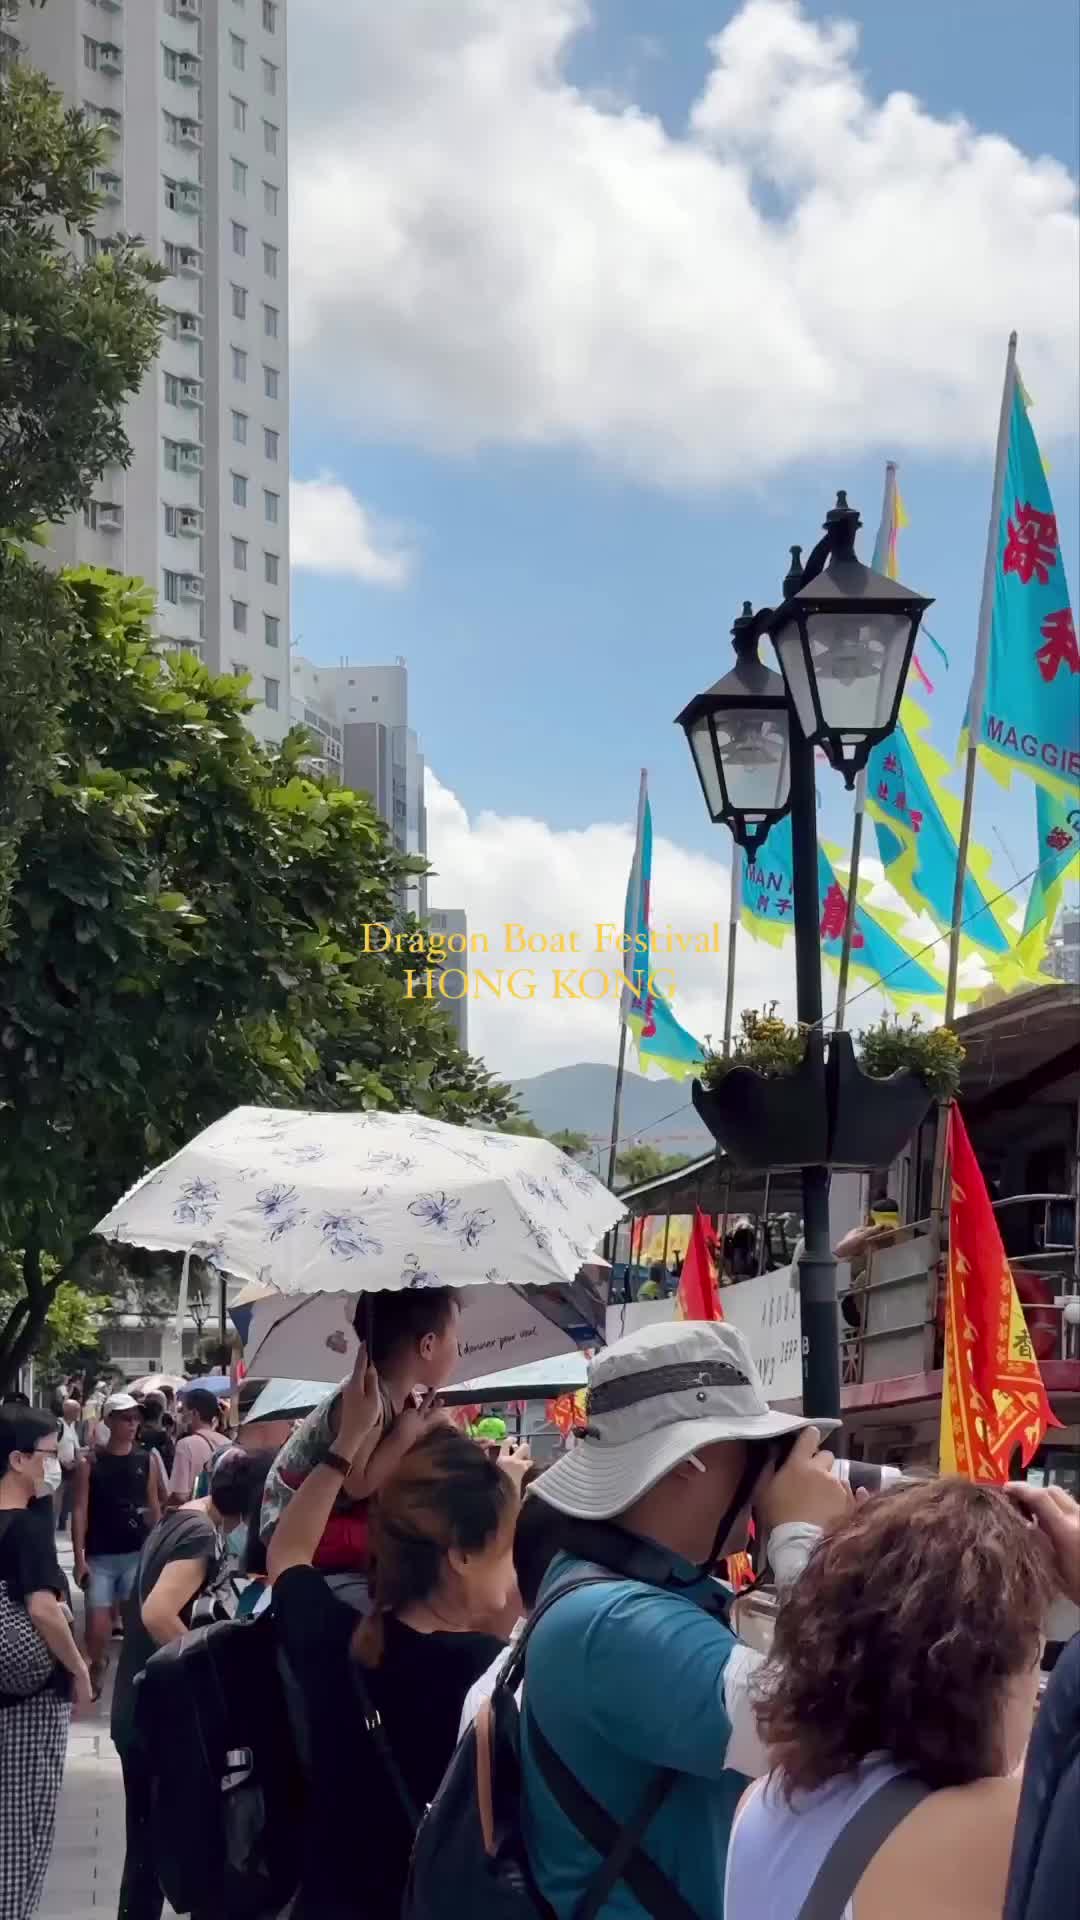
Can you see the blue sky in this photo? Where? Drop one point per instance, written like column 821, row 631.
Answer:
column 562, row 604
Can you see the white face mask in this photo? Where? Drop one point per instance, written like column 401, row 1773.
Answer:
column 52, row 1476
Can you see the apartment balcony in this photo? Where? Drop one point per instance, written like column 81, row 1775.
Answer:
column 191, row 588
column 189, row 197
column 110, row 59
column 110, row 186
column 110, row 517
column 189, row 70
column 189, row 522
column 189, row 261
column 189, row 132
column 188, row 326
column 191, row 393
column 189, row 459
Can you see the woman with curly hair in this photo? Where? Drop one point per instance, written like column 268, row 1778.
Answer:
column 897, row 1708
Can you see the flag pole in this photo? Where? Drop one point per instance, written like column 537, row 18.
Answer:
column 977, row 697
column 633, row 901
column 734, row 910
column 852, row 898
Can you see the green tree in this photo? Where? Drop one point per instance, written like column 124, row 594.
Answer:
column 76, row 338
column 187, row 917
column 577, row 1145
column 520, row 1123
column 643, row 1162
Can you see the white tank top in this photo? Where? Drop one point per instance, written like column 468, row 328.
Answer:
column 777, row 1850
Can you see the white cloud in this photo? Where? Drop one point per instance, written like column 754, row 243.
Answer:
column 514, row 870
column 331, row 531
column 484, row 253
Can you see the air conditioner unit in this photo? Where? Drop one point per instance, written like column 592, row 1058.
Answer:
column 110, row 120
column 189, row 459
column 110, row 186
column 189, row 522
column 188, row 326
column 191, row 393
column 189, row 133
column 189, row 196
column 191, row 586
column 110, row 59
column 189, row 69
column 189, row 260
column 110, row 517
column 188, row 9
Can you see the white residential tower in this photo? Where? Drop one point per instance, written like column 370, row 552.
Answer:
column 192, row 95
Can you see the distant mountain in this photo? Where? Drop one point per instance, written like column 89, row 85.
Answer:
column 657, row 1112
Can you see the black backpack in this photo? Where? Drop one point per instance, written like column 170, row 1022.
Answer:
column 469, row 1853
column 227, row 1791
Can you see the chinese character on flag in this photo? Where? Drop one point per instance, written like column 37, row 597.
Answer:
column 892, row 765
column 1060, row 650
column 883, row 790
column 783, row 906
column 1031, row 548
column 834, row 916
column 916, row 819
column 1059, row 838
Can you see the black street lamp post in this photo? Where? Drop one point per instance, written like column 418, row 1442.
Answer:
column 844, row 636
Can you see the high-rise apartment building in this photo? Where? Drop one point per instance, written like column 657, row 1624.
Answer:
column 191, row 94
column 1063, row 953
column 359, row 718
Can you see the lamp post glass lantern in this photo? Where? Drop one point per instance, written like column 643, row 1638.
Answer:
column 844, row 641
column 739, row 736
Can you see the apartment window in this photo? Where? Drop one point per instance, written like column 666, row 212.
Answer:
column 270, row 382
column 239, row 114
column 239, row 302
column 171, row 195
column 238, row 669
column 270, row 197
column 270, row 322
column 270, row 569
column 239, row 177
column 239, row 554
column 239, row 51
column 270, row 260
column 90, row 53
column 170, row 585
column 270, row 74
column 239, row 616
column 271, row 689
column 170, row 58
column 270, row 15
column 169, row 514
column 239, row 489
column 89, row 514
column 171, row 449
column 239, row 364
column 239, row 238
column 172, row 128
column 271, row 629
column 270, row 443
column 172, row 389
column 270, row 136
column 239, row 428
column 271, row 502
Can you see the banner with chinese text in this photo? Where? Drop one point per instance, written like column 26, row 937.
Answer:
column 993, row 1400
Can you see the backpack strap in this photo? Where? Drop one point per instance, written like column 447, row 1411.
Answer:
column 619, row 1847
column 854, row 1848
column 374, row 1725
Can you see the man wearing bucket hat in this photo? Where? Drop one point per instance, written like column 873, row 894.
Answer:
column 635, row 1684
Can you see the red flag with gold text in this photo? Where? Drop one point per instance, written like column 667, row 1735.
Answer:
column 699, row 1292
column 993, row 1398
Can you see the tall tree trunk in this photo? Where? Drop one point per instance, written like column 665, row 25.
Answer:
column 23, row 1330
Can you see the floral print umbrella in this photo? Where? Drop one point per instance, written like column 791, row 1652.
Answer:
column 359, row 1202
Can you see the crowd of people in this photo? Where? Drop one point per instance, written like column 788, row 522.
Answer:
column 885, row 1755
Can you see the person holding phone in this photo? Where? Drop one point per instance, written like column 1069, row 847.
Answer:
column 381, row 1698
column 414, row 1350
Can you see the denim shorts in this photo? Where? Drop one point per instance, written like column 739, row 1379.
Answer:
column 112, row 1577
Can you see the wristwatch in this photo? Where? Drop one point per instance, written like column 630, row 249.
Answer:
column 328, row 1458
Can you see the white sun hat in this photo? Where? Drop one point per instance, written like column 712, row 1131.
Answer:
column 654, row 1398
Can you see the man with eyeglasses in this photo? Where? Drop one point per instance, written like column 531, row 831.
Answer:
column 117, row 1501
